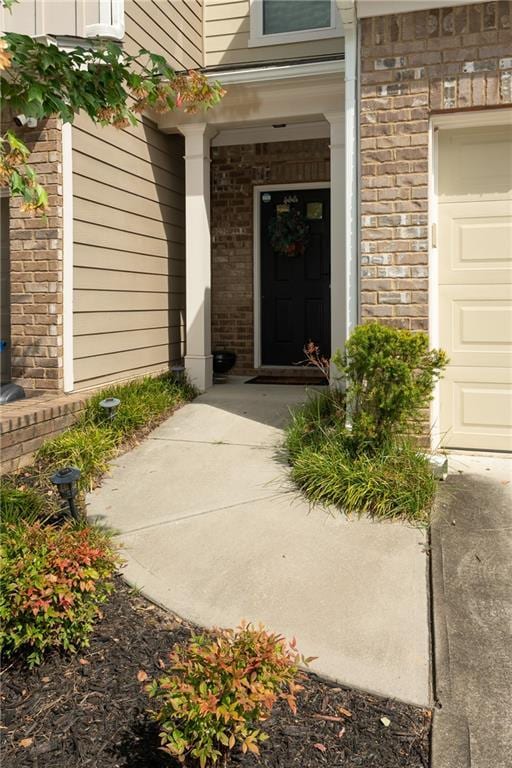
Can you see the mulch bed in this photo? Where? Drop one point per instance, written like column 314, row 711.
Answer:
column 90, row 709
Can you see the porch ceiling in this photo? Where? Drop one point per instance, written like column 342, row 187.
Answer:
column 262, row 104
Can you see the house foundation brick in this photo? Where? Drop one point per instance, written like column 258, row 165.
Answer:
column 235, row 171
column 414, row 65
column 26, row 424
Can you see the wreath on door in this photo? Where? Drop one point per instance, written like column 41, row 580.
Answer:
column 289, row 233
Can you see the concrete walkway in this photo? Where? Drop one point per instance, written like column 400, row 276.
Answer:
column 472, row 599
column 212, row 531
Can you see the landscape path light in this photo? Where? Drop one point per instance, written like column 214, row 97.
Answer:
column 110, row 405
column 66, row 480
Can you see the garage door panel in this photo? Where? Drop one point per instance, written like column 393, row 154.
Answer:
column 476, row 163
column 475, row 329
column 477, row 240
column 477, row 414
column 475, row 287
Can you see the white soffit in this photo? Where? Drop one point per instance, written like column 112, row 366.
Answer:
column 263, row 134
column 265, row 103
column 383, row 7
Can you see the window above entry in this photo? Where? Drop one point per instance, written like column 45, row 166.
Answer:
column 110, row 23
column 62, row 19
column 274, row 22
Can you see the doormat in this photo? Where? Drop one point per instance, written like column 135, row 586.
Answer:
column 302, row 381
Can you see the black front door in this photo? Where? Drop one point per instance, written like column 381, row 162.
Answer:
column 295, row 273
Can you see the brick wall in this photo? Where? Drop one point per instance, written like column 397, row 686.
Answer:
column 235, row 170
column 413, row 65
column 36, row 269
column 26, row 424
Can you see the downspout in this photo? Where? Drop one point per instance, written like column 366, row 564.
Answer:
column 350, row 25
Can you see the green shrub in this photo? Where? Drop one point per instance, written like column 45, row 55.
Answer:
column 52, row 582
column 85, row 446
column 18, row 504
column 218, row 690
column 394, row 481
column 390, row 375
column 143, row 402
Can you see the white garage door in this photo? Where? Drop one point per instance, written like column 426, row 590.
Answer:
column 475, row 285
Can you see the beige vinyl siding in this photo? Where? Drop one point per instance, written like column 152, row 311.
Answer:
column 129, row 253
column 172, row 28
column 227, row 29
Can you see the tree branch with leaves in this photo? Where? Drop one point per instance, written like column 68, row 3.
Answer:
column 41, row 80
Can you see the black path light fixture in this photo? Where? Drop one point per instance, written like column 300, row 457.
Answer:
column 66, row 480
column 110, row 405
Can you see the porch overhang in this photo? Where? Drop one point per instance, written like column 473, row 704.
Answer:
column 263, row 102
column 259, row 99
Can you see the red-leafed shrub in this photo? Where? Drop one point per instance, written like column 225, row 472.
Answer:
column 219, row 688
column 52, row 582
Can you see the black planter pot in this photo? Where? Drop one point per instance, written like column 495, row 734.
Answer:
column 223, row 361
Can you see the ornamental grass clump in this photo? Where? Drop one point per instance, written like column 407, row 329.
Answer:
column 86, row 446
column 322, row 416
column 143, row 403
column 218, row 690
column 358, row 450
column 52, row 584
column 20, row 504
column 394, row 482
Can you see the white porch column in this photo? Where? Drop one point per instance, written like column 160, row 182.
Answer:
column 339, row 324
column 351, row 171
column 344, row 195
column 198, row 357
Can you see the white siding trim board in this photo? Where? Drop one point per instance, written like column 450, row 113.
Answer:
column 67, row 255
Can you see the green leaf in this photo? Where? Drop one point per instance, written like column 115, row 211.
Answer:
column 35, row 93
column 99, row 81
column 17, row 144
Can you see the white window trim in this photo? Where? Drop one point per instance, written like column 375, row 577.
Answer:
column 258, row 38
column 111, row 22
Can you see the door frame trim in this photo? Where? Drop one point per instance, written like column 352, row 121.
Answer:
column 257, row 189
column 449, row 121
